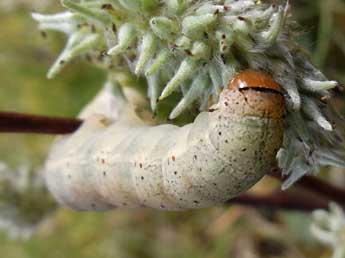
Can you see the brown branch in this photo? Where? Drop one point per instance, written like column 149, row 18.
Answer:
column 11, row 122
column 282, row 200
column 317, row 186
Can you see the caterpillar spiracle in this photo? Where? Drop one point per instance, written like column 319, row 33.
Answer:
column 121, row 161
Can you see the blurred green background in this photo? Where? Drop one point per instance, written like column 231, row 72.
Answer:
column 25, row 56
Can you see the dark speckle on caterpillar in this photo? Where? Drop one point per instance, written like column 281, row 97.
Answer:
column 119, row 161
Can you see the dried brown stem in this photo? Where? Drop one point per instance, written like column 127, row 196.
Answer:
column 282, row 200
column 11, row 122
column 318, row 187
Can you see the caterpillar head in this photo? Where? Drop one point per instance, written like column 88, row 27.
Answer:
column 254, row 93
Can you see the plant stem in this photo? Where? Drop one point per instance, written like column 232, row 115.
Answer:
column 282, row 200
column 317, row 186
column 12, row 122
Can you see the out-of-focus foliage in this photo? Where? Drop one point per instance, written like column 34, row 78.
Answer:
column 219, row 232
column 11, row 6
column 323, row 33
column 24, row 201
column 329, row 228
column 23, row 64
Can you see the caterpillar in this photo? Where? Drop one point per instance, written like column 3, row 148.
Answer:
column 182, row 52
column 120, row 161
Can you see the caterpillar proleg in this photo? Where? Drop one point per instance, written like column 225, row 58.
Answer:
column 120, row 161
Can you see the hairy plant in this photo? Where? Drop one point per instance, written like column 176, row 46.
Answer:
column 187, row 51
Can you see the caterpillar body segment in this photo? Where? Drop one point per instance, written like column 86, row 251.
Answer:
column 123, row 162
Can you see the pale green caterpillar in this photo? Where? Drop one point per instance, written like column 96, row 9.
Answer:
column 116, row 160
